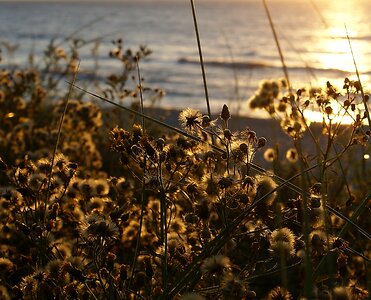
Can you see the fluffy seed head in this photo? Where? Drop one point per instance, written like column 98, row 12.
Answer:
column 270, row 154
column 190, row 118
column 279, row 293
column 340, row 293
column 232, row 288
column 265, row 185
column 292, row 155
column 282, row 241
column 217, row 264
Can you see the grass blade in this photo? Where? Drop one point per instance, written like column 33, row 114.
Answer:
column 186, row 134
column 57, row 140
column 195, row 138
column 348, row 223
column 219, row 241
column 201, row 57
column 359, row 79
column 215, row 245
column 323, row 20
column 277, row 44
column 143, row 181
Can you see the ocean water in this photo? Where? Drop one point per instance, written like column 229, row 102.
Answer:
column 237, row 42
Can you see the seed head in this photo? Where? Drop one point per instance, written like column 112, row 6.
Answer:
column 232, row 288
column 340, row 293
column 217, row 264
column 190, row 119
column 292, row 155
column 265, row 185
column 101, row 187
column 279, row 293
column 270, row 154
column 227, row 134
column 225, row 115
column 282, row 242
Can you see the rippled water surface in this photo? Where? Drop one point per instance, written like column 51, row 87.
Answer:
column 237, row 41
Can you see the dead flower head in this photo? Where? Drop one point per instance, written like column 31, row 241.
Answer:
column 282, row 242
column 217, row 264
column 190, row 118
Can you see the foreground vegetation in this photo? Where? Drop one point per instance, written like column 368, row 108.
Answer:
column 93, row 210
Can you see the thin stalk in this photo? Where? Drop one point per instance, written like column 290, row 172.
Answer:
column 362, row 206
column 348, row 222
column 90, row 291
column 278, row 45
column 100, row 279
column 164, row 227
column 301, row 112
column 308, row 282
column 343, row 172
column 270, row 273
column 359, row 254
column 235, row 74
column 359, row 80
column 142, row 195
column 85, row 26
column 140, row 94
column 201, row 57
column 255, row 167
column 197, row 139
column 307, row 66
column 323, row 20
column 215, row 245
column 57, row 141
column 164, row 231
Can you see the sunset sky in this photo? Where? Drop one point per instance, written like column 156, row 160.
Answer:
column 153, row 1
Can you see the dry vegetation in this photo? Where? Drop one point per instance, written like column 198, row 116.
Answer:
column 140, row 212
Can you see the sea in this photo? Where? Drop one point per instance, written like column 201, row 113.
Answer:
column 239, row 50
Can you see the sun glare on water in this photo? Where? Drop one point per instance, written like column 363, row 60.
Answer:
column 337, row 54
column 339, row 117
column 341, row 47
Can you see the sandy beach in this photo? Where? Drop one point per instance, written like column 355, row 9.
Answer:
column 267, row 128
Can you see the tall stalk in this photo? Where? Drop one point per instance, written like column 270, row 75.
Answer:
column 235, row 74
column 359, row 80
column 201, row 57
column 142, row 195
column 308, row 282
column 191, row 272
column 278, row 45
column 57, row 140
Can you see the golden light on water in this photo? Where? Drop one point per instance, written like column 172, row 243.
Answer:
column 338, row 116
column 336, row 52
column 338, row 56
column 316, row 116
column 339, row 20
column 343, row 33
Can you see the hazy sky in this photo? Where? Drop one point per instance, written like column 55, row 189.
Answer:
column 135, row 1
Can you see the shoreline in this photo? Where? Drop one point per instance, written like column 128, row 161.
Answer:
column 267, row 128
column 270, row 129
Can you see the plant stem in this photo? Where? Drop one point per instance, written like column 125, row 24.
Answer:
column 308, row 282
column 142, row 195
column 201, row 57
column 359, row 79
column 278, row 46
column 57, row 141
